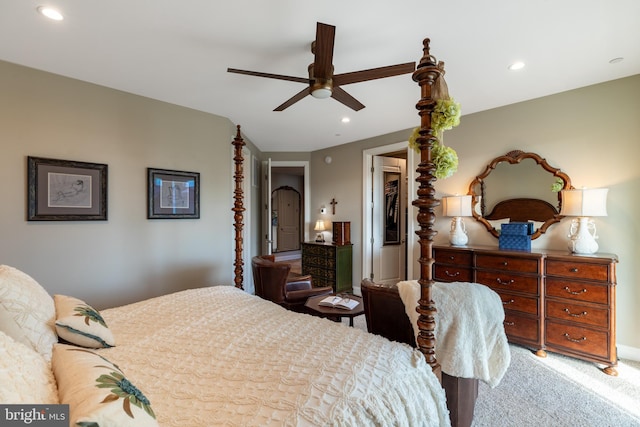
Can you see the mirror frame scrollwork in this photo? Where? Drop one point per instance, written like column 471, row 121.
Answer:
column 514, row 157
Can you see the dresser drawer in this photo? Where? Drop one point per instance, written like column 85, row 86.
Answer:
column 576, row 338
column 507, row 281
column 521, row 327
column 577, row 291
column 584, row 314
column 449, row 273
column 453, row 256
column 507, row 263
column 578, row 270
column 519, row 303
column 316, row 260
column 320, row 250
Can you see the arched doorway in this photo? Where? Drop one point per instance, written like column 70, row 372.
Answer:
column 286, row 219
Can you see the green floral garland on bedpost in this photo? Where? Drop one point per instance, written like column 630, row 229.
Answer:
column 445, row 116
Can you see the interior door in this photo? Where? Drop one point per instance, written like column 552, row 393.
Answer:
column 288, row 230
column 267, row 239
column 388, row 219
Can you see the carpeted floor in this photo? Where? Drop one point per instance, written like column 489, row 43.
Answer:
column 557, row 391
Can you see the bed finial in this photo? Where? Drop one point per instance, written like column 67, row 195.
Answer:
column 426, row 74
column 238, row 207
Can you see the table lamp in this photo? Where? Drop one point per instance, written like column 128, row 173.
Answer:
column 584, row 203
column 319, row 227
column 457, row 207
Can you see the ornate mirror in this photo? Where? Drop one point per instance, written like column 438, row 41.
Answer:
column 518, row 186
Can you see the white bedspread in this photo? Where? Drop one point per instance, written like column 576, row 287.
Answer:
column 470, row 337
column 219, row 356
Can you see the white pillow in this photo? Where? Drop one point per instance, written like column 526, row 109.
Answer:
column 97, row 391
column 25, row 376
column 80, row 324
column 27, row 312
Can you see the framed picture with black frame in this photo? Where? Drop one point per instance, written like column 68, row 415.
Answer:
column 392, row 208
column 173, row 194
column 66, row 190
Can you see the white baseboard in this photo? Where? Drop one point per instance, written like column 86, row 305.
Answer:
column 629, row 353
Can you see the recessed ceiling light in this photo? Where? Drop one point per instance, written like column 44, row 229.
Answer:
column 616, row 60
column 50, row 13
column 346, row 120
column 516, row 66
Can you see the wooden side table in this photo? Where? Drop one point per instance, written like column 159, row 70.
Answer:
column 320, row 310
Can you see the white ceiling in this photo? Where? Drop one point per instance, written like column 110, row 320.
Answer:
column 178, row 51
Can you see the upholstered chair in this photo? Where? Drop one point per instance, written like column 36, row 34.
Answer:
column 274, row 281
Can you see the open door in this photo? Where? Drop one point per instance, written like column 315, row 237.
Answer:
column 388, row 219
column 267, row 239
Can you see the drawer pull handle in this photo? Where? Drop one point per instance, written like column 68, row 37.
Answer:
column 573, row 270
column 583, row 291
column 504, row 282
column 568, row 337
column 566, row 310
column 452, row 257
column 446, row 272
column 508, row 302
column 509, row 323
column 505, row 263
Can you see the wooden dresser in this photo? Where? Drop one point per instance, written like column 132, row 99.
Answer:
column 329, row 265
column 553, row 300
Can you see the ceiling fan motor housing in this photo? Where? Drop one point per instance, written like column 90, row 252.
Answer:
column 320, row 88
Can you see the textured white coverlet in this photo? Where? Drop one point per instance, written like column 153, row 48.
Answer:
column 470, row 337
column 219, row 356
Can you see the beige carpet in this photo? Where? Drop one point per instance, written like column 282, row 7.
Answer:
column 557, row 391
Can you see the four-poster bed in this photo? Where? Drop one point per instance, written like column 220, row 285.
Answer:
column 218, row 355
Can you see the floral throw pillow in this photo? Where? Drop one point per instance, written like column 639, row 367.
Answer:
column 97, row 391
column 80, row 324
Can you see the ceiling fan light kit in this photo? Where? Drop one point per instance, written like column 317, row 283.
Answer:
column 322, row 83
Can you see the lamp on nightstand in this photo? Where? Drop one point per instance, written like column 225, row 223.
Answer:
column 584, row 203
column 457, row 207
column 320, row 227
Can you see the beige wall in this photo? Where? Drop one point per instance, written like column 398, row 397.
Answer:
column 127, row 257
column 592, row 134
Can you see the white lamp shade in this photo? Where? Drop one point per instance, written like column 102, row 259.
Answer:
column 319, row 225
column 456, row 206
column 584, row 202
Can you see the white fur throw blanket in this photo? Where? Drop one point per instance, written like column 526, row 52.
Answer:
column 470, row 337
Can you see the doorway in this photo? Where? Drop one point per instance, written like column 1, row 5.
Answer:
column 388, row 234
column 277, row 174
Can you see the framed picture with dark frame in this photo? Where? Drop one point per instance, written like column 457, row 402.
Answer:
column 391, row 208
column 66, row 190
column 173, row 194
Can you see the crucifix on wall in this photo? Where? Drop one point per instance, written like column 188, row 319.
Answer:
column 333, row 204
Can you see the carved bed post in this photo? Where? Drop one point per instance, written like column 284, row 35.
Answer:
column 238, row 206
column 426, row 74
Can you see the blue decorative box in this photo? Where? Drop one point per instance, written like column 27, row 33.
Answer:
column 517, row 228
column 514, row 241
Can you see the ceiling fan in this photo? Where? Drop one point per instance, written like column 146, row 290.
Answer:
column 322, row 83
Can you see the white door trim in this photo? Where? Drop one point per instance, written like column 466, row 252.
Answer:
column 307, row 191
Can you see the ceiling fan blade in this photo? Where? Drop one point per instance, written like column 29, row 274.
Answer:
column 323, row 51
column 340, row 95
column 373, row 73
column 295, row 98
column 304, row 80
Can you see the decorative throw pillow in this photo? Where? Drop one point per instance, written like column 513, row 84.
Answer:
column 25, row 375
column 97, row 391
column 80, row 324
column 27, row 312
